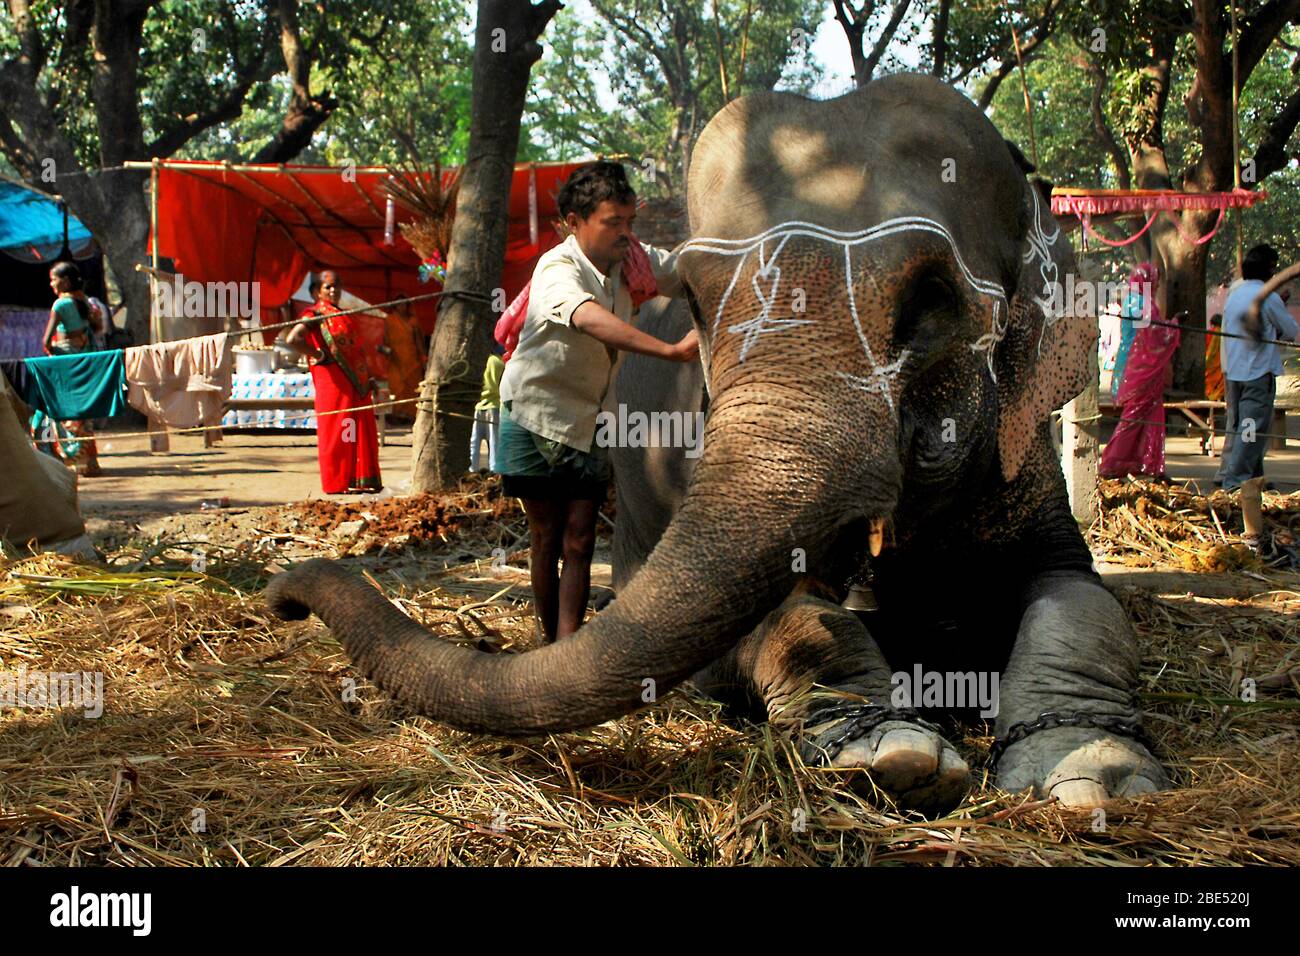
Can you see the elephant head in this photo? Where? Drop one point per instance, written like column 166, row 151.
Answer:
column 867, row 274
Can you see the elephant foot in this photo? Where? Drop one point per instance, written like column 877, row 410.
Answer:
column 1081, row 766
column 910, row 762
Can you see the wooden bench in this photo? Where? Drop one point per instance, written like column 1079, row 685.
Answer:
column 1200, row 413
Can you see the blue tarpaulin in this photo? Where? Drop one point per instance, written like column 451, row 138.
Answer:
column 31, row 225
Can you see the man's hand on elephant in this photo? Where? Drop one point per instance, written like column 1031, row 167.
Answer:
column 687, row 348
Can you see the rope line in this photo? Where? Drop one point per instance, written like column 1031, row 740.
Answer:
column 112, row 436
column 1227, row 335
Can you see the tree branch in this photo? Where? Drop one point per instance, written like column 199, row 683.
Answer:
column 886, row 37
column 941, row 39
column 1271, row 154
column 226, row 109
column 990, row 87
column 306, row 113
column 1031, row 40
column 1105, row 135
column 1258, row 33
column 854, row 23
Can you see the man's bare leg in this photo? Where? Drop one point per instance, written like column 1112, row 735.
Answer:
column 546, row 521
column 1252, row 510
column 575, row 579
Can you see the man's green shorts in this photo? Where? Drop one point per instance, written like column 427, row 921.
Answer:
column 535, row 467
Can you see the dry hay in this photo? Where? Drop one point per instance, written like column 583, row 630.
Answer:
column 1148, row 524
column 217, row 714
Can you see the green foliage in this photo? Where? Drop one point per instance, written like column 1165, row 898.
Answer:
column 400, row 70
column 1070, row 153
column 662, row 68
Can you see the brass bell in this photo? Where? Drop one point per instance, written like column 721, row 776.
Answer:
column 861, row 598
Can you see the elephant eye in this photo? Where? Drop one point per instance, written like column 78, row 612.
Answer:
column 927, row 308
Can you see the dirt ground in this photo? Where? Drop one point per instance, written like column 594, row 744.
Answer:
column 235, row 494
column 250, row 470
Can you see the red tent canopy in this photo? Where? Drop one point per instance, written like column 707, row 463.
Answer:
column 221, row 222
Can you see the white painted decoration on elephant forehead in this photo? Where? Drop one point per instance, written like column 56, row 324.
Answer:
column 880, row 379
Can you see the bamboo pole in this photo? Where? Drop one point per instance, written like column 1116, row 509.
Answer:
column 158, row 442
column 1236, row 129
column 1024, row 87
column 297, row 170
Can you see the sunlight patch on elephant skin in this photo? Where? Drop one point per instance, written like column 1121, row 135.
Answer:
column 809, row 164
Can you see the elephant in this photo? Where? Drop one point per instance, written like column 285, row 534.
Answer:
column 869, row 276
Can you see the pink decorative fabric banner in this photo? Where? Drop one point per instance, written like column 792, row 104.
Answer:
column 1102, row 202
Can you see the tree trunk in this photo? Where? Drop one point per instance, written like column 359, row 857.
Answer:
column 462, row 337
column 118, row 217
column 1183, row 290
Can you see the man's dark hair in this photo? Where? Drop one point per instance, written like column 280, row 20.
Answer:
column 70, row 272
column 592, row 184
column 1259, row 263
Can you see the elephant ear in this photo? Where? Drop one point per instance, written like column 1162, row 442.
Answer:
column 1045, row 358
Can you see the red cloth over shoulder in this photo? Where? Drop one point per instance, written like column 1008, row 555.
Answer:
column 637, row 273
column 511, row 322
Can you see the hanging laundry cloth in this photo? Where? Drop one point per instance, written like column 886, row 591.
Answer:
column 20, row 380
column 79, row 386
column 183, row 383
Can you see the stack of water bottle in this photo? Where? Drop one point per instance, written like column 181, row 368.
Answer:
column 270, row 386
column 20, row 332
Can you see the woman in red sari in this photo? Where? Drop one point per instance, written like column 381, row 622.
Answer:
column 1138, row 445
column 347, row 443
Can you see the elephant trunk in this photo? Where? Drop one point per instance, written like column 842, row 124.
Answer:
column 760, row 491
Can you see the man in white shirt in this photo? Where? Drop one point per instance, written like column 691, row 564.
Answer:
column 579, row 317
column 1250, row 370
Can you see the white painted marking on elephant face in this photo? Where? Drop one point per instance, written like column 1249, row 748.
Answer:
column 762, row 323
column 880, row 381
column 1040, row 247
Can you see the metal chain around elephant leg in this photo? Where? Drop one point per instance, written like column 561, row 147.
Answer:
column 825, row 682
column 1075, row 660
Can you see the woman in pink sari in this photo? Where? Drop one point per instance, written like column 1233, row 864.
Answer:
column 1138, row 445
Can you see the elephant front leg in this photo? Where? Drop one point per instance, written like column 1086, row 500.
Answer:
column 823, row 680
column 1068, row 723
